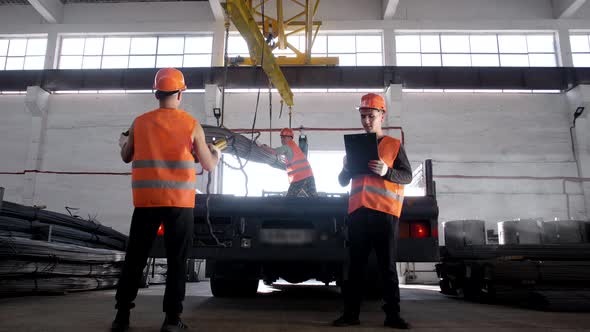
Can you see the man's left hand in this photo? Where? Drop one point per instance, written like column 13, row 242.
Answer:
column 123, row 140
column 378, row 167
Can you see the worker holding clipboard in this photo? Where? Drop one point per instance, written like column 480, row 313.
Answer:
column 379, row 169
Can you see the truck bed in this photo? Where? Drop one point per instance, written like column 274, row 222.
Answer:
column 298, row 228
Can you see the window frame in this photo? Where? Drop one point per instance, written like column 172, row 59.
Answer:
column 499, row 53
column 585, row 53
column 326, row 53
column 154, row 55
column 4, row 58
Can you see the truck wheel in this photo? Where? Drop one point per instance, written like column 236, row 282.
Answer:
column 233, row 288
column 221, row 287
column 246, row 288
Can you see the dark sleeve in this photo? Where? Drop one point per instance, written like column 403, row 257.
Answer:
column 401, row 172
column 344, row 177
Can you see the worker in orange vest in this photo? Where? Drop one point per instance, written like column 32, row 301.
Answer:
column 301, row 180
column 159, row 145
column 374, row 208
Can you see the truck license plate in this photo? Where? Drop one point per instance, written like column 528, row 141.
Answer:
column 286, row 236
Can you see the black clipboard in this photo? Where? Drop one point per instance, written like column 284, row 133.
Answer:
column 360, row 149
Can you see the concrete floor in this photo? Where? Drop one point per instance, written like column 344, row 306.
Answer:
column 278, row 308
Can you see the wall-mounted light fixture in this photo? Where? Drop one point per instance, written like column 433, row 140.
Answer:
column 217, row 114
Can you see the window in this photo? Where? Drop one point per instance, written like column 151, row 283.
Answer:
column 118, row 91
column 352, row 50
column 264, row 178
column 22, row 53
column 580, row 49
column 326, row 166
column 135, row 52
column 481, row 91
column 477, row 50
column 261, row 177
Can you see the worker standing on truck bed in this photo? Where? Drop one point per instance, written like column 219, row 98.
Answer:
column 301, row 180
column 159, row 143
column 374, row 208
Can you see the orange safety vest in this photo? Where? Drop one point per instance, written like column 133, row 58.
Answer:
column 298, row 167
column 163, row 172
column 374, row 192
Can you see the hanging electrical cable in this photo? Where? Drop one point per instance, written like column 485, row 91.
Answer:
column 210, row 226
column 253, row 141
column 225, row 65
column 270, row 108
column 208, row 191
column 242, row 164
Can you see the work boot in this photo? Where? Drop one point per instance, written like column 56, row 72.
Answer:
column 396, row 322
column 121, row 322
column 346, row 320
column 173, row 324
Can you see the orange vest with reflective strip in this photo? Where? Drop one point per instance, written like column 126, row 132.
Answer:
column 163, row 172
column 374, row 192
column 298, row 167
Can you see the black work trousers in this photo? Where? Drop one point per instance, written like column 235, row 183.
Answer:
column 178, row 238
column 368, row 230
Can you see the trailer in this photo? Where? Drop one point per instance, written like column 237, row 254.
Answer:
column 247, row 239
column 553, row 274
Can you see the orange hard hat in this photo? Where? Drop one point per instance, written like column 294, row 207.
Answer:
column 287, row 132
column 169, row 79
column 373, row 101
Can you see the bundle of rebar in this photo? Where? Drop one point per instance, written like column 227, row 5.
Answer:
column 12, row 217
column 241, row 146
column 156, row 270
column 529, row 251
column 38, row 266
column 45, row 251
column 38, row 230
column 548, row 277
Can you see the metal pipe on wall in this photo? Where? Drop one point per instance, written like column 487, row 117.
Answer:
column 272, row 130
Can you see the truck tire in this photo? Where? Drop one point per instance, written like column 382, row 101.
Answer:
column 220, row 287
column 233, row 288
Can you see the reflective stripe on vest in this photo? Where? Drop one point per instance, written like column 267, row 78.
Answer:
column 299, row 170
column 163, row 173
column 374, row 192
column 298, row 167
column 163, row 164
column 163, row 184
column 378, row 191
column 302, row 161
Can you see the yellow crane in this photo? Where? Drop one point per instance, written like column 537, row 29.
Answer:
column 256, row 33
column 280, row 29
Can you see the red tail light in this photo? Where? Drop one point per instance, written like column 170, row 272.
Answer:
column 161, row 230
column 419, row 230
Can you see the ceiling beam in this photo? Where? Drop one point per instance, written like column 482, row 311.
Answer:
column 389, row 8
column 309, row 77
column 217, row 10
column 51, row 10
column 566, row 8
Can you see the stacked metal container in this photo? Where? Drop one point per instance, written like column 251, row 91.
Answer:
column 564, row 231
column 459, row 233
